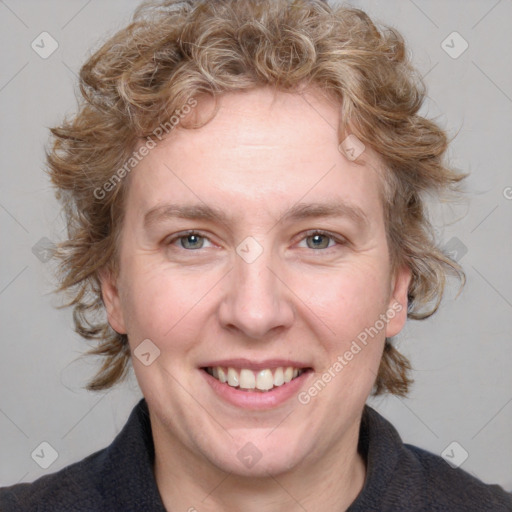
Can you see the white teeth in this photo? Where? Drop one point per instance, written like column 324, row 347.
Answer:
column 222, row 374
column 288, row 374
column 233, row 377
column 263, row 380
column 247, row 379
column 279, row 377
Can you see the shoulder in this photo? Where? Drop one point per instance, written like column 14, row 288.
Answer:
column 448, row 488
column 403, row 477
column 117, row 478
column 74, row 488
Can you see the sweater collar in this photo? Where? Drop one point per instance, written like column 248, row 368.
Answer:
column 380, row 446
column 128, row 479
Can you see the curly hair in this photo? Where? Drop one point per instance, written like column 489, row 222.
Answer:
column 176, row 50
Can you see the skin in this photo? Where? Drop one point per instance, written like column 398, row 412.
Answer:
column 261, row 154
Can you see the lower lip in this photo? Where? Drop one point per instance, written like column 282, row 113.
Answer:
column 257, row 399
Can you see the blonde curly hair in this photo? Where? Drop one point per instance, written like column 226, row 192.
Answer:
column 174, row 50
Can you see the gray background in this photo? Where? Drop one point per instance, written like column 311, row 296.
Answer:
column 461, row 356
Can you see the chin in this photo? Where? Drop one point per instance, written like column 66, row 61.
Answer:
column 257, row 456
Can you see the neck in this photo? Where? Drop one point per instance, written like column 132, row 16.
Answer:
column 331, row 482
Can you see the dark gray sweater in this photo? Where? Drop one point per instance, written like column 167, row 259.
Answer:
column 400, row 477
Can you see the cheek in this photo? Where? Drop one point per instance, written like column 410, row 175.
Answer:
column 158, row 302
column 352, row 307
column 349, row 300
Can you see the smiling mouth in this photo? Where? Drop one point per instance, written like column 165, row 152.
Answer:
column 261, row 380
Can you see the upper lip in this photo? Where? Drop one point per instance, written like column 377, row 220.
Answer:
column 255, row 365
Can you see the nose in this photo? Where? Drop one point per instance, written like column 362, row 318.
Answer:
column 258, row 300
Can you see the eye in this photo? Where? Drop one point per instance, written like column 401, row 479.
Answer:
column 314, row 239
column 318, row 239
column 191, row 240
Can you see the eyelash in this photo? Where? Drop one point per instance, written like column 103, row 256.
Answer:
column 340, row 241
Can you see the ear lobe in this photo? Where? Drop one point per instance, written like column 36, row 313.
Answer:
column 111, row 299
column 397, row 307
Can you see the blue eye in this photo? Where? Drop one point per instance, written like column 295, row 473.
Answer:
column 315, row 239
column 320, row 240
column 190, row 241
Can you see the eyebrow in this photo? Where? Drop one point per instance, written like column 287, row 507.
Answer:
column 297, row 212
column 339, row 208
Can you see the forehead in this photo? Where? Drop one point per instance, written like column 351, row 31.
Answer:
column 262, row 151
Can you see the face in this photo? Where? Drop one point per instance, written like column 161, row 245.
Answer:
column 253, row 250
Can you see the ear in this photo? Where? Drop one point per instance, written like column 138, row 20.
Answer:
column 111, row 299
column 397, row 307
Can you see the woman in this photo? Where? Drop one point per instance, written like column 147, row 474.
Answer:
column 244, row 185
